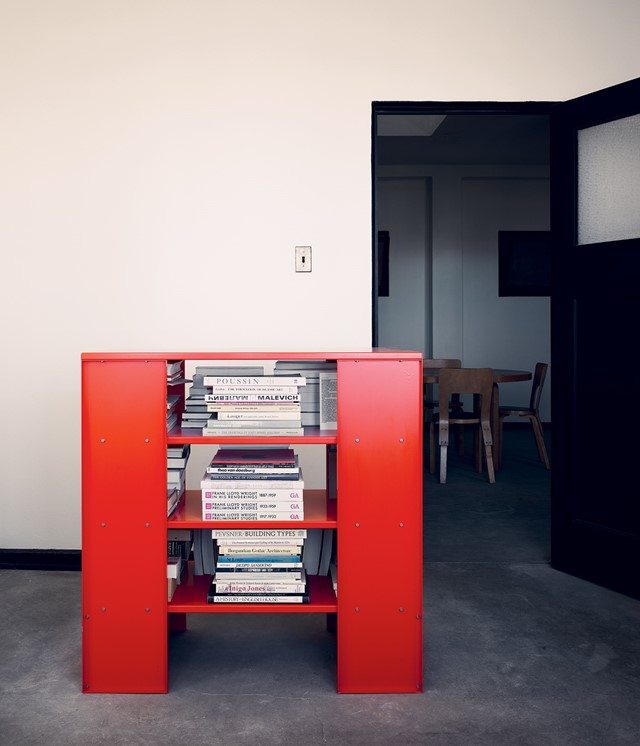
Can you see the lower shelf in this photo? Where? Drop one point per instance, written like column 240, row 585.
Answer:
column 190, row 597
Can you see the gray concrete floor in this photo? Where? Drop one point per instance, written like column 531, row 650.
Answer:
column 515, row 652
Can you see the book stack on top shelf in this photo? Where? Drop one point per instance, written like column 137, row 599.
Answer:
column 254, row 405
column 253, row 483
column 196, row 414
column 259, row 566
column 314, row 398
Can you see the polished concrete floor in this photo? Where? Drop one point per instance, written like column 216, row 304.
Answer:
column 515, row 652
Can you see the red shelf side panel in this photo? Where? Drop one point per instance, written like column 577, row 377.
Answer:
column 124, row 462
column 380, row 526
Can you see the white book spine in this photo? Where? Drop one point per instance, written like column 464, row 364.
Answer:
column 259, row 533
column 272, row 515
column 258, row 599
column 254, row 380
column 274, row 495
column 266, row 432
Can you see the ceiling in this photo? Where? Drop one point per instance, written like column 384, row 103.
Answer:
column 467, row 138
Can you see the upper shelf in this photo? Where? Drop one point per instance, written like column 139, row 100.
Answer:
column 380, row 353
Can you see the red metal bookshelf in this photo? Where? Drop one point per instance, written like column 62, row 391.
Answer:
column 379, row 504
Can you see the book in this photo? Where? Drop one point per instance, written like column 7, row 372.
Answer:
column 259, row 533
column 326, row 551
column 254, row 432
column 215, row 423
column 254, row 563
column 217, row 482
column 289, row 541
column 288, row 494
column 328, row 400
column 255, row 586
column 253, row 397
column 258, row 455
column 312, row 551
column 251, row 515
column 265, row 415
column 249, row 380
column 251, row 506
column 264, row 408
column 277, row 470
column 249, row 549
column 249, row 390
column 266, row 598
column 260, row 573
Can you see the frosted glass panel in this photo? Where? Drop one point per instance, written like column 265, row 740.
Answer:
column 609, row 181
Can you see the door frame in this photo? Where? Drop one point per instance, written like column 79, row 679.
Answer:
column 428, row 107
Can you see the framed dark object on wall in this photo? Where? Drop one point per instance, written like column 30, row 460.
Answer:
column 383, row 263
column 524, row 263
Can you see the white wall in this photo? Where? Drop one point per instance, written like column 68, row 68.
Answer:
column 160, row 160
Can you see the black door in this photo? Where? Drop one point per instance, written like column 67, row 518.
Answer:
column 595, row 310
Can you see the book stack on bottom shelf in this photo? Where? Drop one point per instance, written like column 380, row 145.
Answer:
column 253, row 484
column 259, row 566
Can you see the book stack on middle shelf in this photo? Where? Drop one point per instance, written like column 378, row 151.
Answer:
column 177, row 457
column 253, row 483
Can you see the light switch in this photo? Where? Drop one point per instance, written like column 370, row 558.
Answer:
column 303, row 258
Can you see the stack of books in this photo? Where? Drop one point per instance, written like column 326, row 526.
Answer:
column 177, row 457
column 259, row 566
column 318, row 398
column 254, row 406
column 195, row 413
column 253, row 483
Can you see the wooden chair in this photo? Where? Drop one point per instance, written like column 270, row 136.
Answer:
column 532, row 412
column 430, row 404
column 476, row 381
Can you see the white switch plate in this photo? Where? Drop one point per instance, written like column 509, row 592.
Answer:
column 303, row 258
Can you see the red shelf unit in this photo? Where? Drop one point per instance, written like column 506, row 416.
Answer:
column 379, row 504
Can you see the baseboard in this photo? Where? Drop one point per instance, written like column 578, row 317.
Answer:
column 40, row 559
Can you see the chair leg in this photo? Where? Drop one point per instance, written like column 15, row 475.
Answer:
column 539, row 438
column 432, row 448
column 443, row 463
column 477, row 448
column 488, row 453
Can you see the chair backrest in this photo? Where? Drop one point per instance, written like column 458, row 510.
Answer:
column 466, row 381
column 442, row 363
column 539, row 374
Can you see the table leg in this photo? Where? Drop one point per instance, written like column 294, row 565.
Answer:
column 495, row 426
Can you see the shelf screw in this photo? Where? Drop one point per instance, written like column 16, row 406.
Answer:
column 402, row 440
column 401, row 608
column 402, row 525
column 103, row 609
column 418, row 616
column 357, row 609
column 146, row 440
column 147, row 609
column 86, row 616
column 146, row 525
column 357, row 440
column 103, row 440
column 86, row 686
column 103, row 525
column 357, row 525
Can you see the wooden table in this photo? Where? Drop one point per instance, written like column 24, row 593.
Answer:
column 500, row 375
